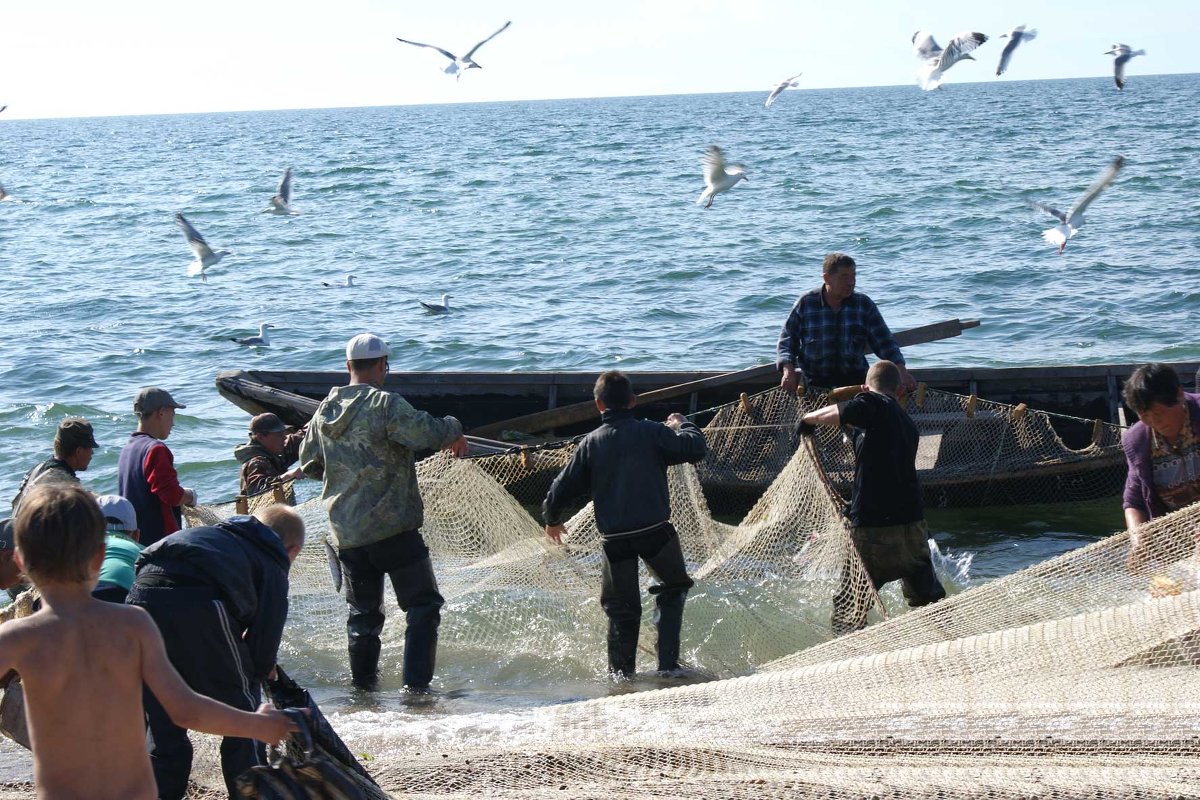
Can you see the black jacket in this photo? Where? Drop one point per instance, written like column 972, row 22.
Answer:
column 623, row 465
column 246, row 566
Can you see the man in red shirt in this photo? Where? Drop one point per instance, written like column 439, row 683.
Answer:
column 146, row 470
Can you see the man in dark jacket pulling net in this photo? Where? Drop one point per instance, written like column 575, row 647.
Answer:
column 887, row 514
column 219, row 596
column 265, row 458
column 623, row 465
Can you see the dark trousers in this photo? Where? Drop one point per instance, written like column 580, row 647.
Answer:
column 404, row 559
column 206, row 647
column 889, row 553
column 621, row 597
column 834, row 380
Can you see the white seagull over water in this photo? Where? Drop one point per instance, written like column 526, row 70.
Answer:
column 281, row 202
column 938, row 59
column 262, row 340
column 1121, row 54
column 349, row 284
column 789, row 83
column 205, row 256
column 1015, row 37
column 458, row 66
column 435, row 307
column 717, row 177
column 1070, row 223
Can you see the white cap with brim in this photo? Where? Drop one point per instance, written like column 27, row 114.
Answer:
column 366, row 345
column 118, row 512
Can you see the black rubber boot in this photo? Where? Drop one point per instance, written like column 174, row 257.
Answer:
column 622, row 647
column 420, row 645
column 668, row 619
column 364, row 661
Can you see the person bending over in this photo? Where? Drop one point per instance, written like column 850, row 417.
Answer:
column 83, row 662
column 623, row 466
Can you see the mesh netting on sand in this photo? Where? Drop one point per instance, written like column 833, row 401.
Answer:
column 1075, row 677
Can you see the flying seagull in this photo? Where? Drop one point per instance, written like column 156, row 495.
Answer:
column 1070, row 223
column 262, row 340
column 790, row 83
column 3, row 107
column 349, row 284
column 938, row 60
column 1121, row 54
column 205, row 256
column 437, row 308
column 1015, row 37
column 458, row 65
column 281, row 202
column 718, row 178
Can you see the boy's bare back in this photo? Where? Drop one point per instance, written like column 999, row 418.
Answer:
column 82, row 669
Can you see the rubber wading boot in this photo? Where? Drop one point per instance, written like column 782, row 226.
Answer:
column 420, row 645
column 364, row 662
column 622, row 647
column 668, row 619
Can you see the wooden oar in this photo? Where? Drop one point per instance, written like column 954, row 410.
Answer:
column 581, row 412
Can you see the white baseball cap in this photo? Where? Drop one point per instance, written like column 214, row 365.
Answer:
column 366, row 345
column 118, row 511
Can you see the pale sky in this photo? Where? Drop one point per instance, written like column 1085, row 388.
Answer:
column 64, row 58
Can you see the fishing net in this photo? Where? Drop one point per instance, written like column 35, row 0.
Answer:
column 1073, row 677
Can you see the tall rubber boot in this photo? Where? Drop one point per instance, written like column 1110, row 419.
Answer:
column 668, row 619
column 420, row 645
column 622, row 647
column 364, row 661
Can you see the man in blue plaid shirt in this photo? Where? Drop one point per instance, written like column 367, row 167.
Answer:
column 830, row 329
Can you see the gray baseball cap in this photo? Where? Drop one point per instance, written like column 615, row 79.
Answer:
column 151, row 399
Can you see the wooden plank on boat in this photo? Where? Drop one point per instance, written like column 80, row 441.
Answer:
column 581, row 412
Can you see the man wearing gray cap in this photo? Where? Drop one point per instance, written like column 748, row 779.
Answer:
column 266, row 457
column 146, row 469
column 361, row 443
column 10, row 571
column 74, row 442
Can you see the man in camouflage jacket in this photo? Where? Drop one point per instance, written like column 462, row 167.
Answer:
column 361, row 443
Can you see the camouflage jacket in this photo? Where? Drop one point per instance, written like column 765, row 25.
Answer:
column 260, row 469
column 361, row 442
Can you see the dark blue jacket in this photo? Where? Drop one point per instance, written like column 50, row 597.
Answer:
column 245, row 565
column 623, row 465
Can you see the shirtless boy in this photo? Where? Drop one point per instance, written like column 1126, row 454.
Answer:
column 82, row 662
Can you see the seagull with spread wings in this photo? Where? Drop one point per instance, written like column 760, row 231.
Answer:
column 1121, row 54
column 281, row 203
column 938, row 59
column 789, row 83
column 717, row 177
column 1015, row 37
column 458, row 66
column 205, row 256
column 1070, row 223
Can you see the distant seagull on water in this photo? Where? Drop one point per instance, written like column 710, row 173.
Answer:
column 205, row 256
column 349, row 284
column 435, row 307
column 457, row 65
column 789, row 83
column 262, row 340
column 940, row 59
column 1070, row 223
column 281, row 202
column 1015, row 37
column 3, row 194
column 717, row 177
column 1121, row 54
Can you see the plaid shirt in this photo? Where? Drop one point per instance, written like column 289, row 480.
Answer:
column 820, row 341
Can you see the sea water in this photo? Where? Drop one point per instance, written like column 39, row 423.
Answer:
column 568, row 236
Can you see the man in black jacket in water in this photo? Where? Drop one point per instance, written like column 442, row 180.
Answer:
column 623, row 465
column 219, row 596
